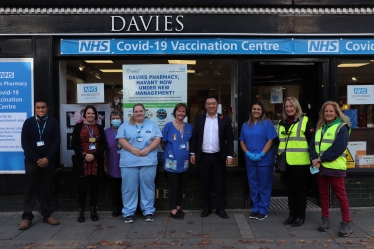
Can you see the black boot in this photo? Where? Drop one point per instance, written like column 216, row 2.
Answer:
column 81, row 216
column 94, row 216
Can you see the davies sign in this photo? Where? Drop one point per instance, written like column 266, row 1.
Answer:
column 166, row 23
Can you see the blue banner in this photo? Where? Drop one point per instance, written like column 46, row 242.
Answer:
column 226, row 46
column 16, row 102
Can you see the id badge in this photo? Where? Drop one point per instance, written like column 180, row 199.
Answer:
column 139, row 138
column 185, row 165
column 92, row 140
column 92, row 147
column 40, row 143
column 182, row 146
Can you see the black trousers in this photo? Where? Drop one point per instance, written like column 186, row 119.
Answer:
column 296, row 177
column 212, row 166
column 39, row 183
column 84, row 183
column 176, row 183
column 115, row 189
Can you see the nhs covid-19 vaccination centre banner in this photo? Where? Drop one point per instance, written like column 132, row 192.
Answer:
column 158, row 87
column 16, row 105
column 227, row 46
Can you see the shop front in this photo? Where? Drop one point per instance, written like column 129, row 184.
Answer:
column 116, row 57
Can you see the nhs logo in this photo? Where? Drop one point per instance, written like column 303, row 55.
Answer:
column 360, row 90
column 90, row 89
column 101, row 46
column 323, row 46
column 6, row 74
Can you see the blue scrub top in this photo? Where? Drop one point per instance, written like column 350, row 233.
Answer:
column 177, row 150
column 255, row 137
column 148, row 131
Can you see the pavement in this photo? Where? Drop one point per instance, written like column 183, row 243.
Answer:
column 193, row 232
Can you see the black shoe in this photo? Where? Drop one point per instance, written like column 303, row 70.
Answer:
column 253, row 215
column 222, row 214
column 206, row 212
column 81, row 216
column 296, row 223
column 94, row 216
column 181, row 212
column 289, row 220
column 176, row 216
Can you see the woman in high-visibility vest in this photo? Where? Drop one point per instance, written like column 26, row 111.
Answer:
column 295, row 132
column 327, row 152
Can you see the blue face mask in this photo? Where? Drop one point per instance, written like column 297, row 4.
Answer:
column 116, row 123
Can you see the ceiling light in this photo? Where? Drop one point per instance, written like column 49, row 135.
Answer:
column 81, row 66
column 111, row 70
column 189, row 62
column 191, row 71
column 354, row 79
column 99, row 61
column 352, row 64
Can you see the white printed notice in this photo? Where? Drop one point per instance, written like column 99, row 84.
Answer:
column 10, row 135
column 90, row 93
column 158, row 87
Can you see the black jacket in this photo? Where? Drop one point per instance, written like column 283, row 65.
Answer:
column 78, row 149
column 226, row 136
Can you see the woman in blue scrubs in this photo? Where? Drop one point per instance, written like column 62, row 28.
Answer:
column 256, row 141
column 139, row 139
column 175, row 142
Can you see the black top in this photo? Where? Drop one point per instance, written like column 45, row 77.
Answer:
column 50, row 137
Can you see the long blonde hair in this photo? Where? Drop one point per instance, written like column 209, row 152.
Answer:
column 132, row 119
column 338, row 112
column 296, row 104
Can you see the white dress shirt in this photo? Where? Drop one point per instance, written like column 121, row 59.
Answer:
column 211, row 138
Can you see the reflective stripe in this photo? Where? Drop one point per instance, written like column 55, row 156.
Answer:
column 329, row 141
column 297, row 150
column 291, row 139
column 343, row 154
column 293, row 150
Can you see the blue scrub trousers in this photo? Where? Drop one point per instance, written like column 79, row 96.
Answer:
column 133, row 178
column 260, row 179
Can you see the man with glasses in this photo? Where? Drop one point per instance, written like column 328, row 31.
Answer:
column 40, row 140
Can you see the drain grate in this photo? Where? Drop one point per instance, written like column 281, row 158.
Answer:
column 282, row 203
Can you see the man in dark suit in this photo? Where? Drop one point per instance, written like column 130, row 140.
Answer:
column 211, row 148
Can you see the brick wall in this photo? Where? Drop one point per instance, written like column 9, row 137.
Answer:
column 360, row 191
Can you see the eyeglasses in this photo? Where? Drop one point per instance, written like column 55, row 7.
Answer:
column 40, row 107
column 137, row 131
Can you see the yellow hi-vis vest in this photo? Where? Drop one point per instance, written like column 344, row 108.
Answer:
column 297, row 146
column 322, row 143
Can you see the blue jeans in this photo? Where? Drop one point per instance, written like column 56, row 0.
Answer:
column 134, row 178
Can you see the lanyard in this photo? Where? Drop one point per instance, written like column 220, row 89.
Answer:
column 115, row 133
column 91, row 131
column 41, row 131
column 137, row 128
column 180, row 131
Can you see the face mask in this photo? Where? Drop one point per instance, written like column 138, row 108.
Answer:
column 115, row 123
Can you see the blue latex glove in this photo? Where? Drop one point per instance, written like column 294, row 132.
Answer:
column 258, row 157
column 250, row 155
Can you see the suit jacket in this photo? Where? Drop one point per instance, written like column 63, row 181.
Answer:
column 78, row 149
column 226, row 136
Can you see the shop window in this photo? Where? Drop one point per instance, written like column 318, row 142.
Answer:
column 203, row 77
column 356, row 98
